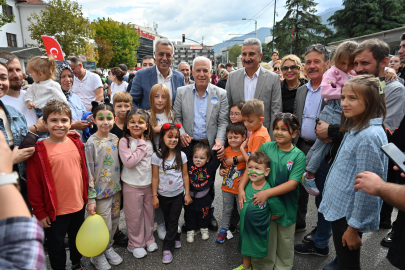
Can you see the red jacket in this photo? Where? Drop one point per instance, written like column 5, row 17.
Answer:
column 40, row 184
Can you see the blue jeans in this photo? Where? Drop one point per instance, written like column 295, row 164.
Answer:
column 324, row 230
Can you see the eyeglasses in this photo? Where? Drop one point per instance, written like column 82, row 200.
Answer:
column 293, row 67
column 320, row 48
column 276, row 68
column 235, row 114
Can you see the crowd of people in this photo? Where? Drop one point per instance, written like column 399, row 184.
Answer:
column 150, row 143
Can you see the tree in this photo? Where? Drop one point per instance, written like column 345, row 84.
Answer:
column 365, row 17
column 122, row 37
column 63, row 20
column 267, row 51
column 308, row 28
column 105, row 53
column 91, row 53
column 234, row 52
column 5, row 18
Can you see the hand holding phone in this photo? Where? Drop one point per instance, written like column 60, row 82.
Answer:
column 29, row 141
column 396, row 155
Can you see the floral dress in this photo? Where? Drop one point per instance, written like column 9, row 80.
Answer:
column 103, row 166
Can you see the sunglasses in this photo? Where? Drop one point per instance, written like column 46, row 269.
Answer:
column 276, row 68
column 293, row 67
column 319, row 48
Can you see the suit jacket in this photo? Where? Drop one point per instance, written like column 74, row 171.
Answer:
column 143, row 82
column 299, row 105
column 217, row 114
column 268, row 90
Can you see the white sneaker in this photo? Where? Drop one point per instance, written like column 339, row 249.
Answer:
column 100, row 262
column 112, row 256
column 152, row 247
column 229, row 235
column 204, row 234
column 138, row 253
column 161, row 230
column 190, row 236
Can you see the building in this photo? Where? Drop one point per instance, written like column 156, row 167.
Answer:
column 187, row 52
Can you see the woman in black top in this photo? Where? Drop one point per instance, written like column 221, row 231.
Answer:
column 223, row 77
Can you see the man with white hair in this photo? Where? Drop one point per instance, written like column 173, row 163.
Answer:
column 161, row 73
column 253, row 81
column 184, row 68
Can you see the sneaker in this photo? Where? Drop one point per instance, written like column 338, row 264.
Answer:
column 78, row 266
column 112, row 256
column 221, row 236
column 233, row 228
column 333, row 265
column 387, row 240
column 310, row 248
column 161, row 230
column 309, row 237
column 100, row 262
column 242, row 268
column 229, row 235
column 190, row 236
column 152, row 247
column 177, row 244
column 120, row 239
column 204, row 234
column 309, row 184
column 167, row 256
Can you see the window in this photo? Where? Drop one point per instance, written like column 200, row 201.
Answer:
column 7, row 10
column 11, row 40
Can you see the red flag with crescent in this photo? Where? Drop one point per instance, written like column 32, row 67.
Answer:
column 53, row 48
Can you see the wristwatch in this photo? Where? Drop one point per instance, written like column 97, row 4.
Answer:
column 8, row 178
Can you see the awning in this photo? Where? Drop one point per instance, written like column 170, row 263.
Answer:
column 22, row 52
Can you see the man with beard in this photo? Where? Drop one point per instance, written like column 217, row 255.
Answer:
column 253, row 81
column 184, row 68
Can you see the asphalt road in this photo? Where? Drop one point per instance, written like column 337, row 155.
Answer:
column 210, row 255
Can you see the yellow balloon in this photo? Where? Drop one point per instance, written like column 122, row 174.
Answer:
column 93, row 236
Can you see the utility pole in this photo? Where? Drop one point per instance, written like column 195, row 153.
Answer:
column 274, row 26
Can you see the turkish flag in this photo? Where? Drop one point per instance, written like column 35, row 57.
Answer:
column 53, row 48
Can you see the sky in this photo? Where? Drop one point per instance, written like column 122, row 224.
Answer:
column 195, row 19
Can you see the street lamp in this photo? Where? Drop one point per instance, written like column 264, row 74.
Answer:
column 244, row 19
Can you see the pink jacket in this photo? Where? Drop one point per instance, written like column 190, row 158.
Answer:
column 333, row 79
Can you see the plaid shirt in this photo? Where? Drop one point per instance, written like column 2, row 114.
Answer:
column 360, row 151
column 21, row 241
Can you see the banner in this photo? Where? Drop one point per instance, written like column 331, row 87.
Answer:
column 53, row 48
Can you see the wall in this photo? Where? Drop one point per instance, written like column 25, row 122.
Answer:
column 12, row 28
column 25, row 12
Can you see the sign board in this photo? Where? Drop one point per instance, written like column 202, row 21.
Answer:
column 195, row 47
column 89, row 66
column 83, row 58
column 145, row 34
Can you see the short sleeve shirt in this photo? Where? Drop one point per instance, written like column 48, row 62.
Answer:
column 230, row 182
column 255, row 223
column 285, row 166
column 170, row 180
column 85, row 88
column 256, row 139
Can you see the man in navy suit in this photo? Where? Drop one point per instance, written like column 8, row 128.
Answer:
column 161, row 73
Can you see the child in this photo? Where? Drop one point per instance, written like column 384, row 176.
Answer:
column 353, row 213
column 331, row 89
column 136, row 151
column 287, row 166
column 118, row 83
column 105, row 187
column 255, row 218
column 202, row 170
column 252, row 113
column 122, row 105
column 170, row 181
column 236, row 134
column 59, row 211
column 160, row 112
column 235, row 113
column 43, row 72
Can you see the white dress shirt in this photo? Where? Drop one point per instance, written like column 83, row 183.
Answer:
column 250, row 85
column 166, row 81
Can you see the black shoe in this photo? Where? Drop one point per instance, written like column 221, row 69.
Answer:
column 120, row 239
column 310, row 248
column 213, row 224
column 309, row 237
column 385, row 225
column 333, row 265
column 233, row 228
column 299, row 228
column 387, row 240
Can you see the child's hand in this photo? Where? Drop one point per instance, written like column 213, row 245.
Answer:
column 241, row 198
column 222, row 172
column 91, row 209
column 155, row 202
column 30, row 105
column 228, row 162
column 243, row 145
column 46, row 222
column 187, row 199
column 260, row 197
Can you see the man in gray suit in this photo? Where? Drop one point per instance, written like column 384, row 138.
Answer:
column 184, row 68
column 253, row 81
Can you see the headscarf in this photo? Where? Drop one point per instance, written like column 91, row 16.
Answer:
column 222, row 74
column 61, row 67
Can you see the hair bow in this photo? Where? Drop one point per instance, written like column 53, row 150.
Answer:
column 168, row 125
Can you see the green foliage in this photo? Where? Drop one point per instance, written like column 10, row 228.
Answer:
column 267, row 51
column 364, row 17
column 122, row 37
column 234, row 52
column 63, row 20
column 308, row 28
column 3, row 18
column 105, row 53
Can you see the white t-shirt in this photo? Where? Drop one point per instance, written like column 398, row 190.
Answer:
column 166, row 81
column 85, row 88
column 171, row 180
column 161, row 119
column 42, row 92
column 19, row 104
column 116, row 88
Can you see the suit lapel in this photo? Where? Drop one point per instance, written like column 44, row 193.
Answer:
column 174, row 89
column 260, row 83
column 190, row 104
column 211, row 93
column 153, row 77
column 240, row 84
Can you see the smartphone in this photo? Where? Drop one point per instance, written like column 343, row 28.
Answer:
column 90, row 119
column 396, row 155
column 29, row 140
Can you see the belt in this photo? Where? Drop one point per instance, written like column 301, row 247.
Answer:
column 307, row 142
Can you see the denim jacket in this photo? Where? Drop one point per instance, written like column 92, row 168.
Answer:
column 19, row 129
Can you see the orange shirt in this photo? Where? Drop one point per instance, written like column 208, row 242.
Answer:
column 256, row 139
column 233, row 173
column 65, row 163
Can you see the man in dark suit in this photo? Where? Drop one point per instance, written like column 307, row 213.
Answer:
column 161, row 73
